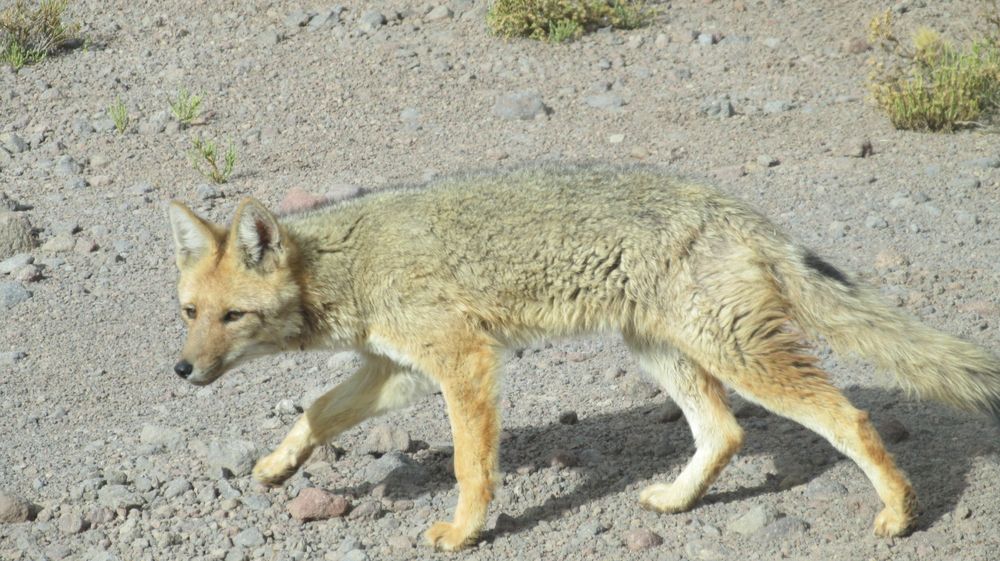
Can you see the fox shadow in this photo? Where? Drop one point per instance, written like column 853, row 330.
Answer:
column 613, row 452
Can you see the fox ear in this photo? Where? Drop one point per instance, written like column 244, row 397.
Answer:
column 257, row 236
column 193, row 236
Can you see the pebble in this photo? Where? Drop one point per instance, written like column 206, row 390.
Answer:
column 61, row 243
column 668, row 412
column 718, row 107
column 13, row 143
column 837, row 229
column 251, row 537
column 568, row 418
column 386, row 438
column 605, row 101
column 10, row 358
column 366, row 510
column 118, row 497
column 297, row 18
column 858, row 148
column 966, row 219
column 707, row 39
column 269, row 37
column 160, row 436
column 397, row 464
column 753, row 520
column 58, row 551
column 12, row 294
column 824, row 490
column 66, row 165
column 370, row 21
column 207, row 192
column 777, row 106
column 15, row 234
column 234, row 458
column 316, row 504
column 11, row 264
column 562, row 459
column 14, row 509
column 519, row 106
column 176, row 487
column 782, row 529
column 642, row 538
column 72, row 523
column 439, row 13
column 876, row 222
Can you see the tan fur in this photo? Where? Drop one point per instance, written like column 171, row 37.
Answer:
column 430, row 284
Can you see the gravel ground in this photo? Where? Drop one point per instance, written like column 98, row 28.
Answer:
column 121, row 460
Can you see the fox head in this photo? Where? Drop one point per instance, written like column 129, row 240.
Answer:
column 237, row 290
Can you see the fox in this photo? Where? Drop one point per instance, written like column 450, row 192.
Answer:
column 432, row 284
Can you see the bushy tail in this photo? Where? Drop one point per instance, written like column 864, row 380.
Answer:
column 855, row 318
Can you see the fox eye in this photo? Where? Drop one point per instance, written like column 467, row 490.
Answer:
column 231, row 316
column 190, row 312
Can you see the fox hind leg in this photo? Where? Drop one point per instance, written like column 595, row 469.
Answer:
column 716, row 433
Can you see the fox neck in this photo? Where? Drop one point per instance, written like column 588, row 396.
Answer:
column 324, row 273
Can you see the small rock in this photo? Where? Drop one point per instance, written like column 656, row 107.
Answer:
column 176, row 487
column 782, row 529
column 297, row 18
column 67, row 166
column 591, row 528
column 370, row 21
column 966, row 219
column 642, row 538
column 366, row 510
column 118, row 497
column 824, row 489
column 777, row 106
column 519, row 106
column 99, row 515
column 439, row 13
column 858, row 148
column 142, row 188
column 562, row 459
column 568, row 418
column 767, row 161
column 386, row 438
column 58, row 551
column 287, row 407
column 605, row 101
column 155, row 124
column 12, row 294
column 207, row 192
column 397, row 464
column 876, row 222
column 13, row 143
column 72, row 523
column 11, row 264
column 754, row 519
column 60, row 243
column 14, row 509
column 15, row 234
column 316, row 504
column 855, row 45
column 10, row 358
column 235, row 457
column 893, row 430
column 269, row 37
column 837, row 229
column 251, row 537
column 83, row 246
column 156, row 435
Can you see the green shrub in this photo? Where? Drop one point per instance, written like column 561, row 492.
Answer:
column 119, row 114
column 930, row 83
column 205, row 160
column 560, row 20
column 185, row 107
column 30, row 35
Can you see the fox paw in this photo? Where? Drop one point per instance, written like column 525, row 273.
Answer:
column 273, row 470
column 664, row 498
column 448, row 537
column 891, row 523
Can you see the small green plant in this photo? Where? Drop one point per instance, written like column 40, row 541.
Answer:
column 119, row 114
column 185, row 107
column 931, row 84
column 205, row 160
column 565, row 30
column 29, row 35
column 561, row 20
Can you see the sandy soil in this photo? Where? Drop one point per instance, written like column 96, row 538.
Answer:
column 124, row 460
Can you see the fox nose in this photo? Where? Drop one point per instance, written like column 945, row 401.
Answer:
column 183, row 368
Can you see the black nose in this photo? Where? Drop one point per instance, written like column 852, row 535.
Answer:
column 183, row 368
